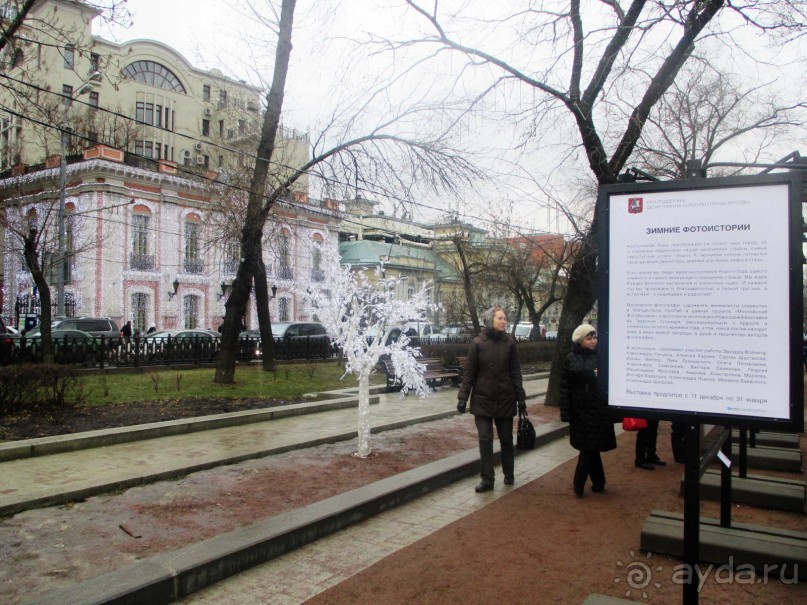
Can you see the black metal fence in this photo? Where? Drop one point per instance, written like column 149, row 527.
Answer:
column 145, row 351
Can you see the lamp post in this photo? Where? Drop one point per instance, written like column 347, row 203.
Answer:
column 86, row 86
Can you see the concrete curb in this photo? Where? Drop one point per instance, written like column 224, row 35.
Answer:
column 170, row 576
column 90, row 488
column 45, row 446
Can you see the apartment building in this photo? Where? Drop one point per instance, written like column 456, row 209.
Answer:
column 157, row 157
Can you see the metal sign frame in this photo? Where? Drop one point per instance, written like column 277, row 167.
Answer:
column 792, row 421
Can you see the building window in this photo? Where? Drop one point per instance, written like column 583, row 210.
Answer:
column 193, row 260
column 95, row 61
column 284, row 268
column 16, row 61
column 69, row 57
column 69, row 243
column 190, row 312
column 242, row 127
column 283, row 307
column 94, row 100
column 140, row 309
column 221, row 129
column 206, row 92
column 232, row 256
column 317, row 274
column 222, row 99
column 140, row 259
column 205, row 128
column 67, row 95
column 150, row 72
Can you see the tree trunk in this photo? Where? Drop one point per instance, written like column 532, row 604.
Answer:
column 251, row 238
column 364, row 448
column 264, row 318
column 581, row 293
column 466, row 282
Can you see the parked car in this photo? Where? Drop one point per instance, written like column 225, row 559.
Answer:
column 97, row 326
column 70, row 346
column 301, row 339
column 418, row 328
column 526, row 331
column 8, row 340
column 185, row 345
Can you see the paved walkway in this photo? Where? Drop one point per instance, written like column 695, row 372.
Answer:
column 106, row 468
column 307, row 571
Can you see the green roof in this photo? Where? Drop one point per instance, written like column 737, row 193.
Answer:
column 368, row 253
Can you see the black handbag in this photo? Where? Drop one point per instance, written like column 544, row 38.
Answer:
column 525, row 435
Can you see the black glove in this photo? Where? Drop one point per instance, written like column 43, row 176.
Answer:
column 522, row 407
column 461, row 406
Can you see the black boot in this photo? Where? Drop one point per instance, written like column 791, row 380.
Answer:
column 483, row 487
column 642, row 463
column 654, row 459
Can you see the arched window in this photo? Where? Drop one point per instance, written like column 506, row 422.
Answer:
column 284, row 309
column 151, row 72
column 190, row 312
column 140, row 311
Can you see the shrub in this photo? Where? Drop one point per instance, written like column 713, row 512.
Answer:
column 26, row 386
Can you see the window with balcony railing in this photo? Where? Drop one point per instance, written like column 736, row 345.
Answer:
column 317, row 275
column 141, row 262
column 285, row 272
column 194, row 265
column 230, row 265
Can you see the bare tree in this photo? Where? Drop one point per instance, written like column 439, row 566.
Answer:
column 705, row 114
column 430, row 160
column 639, row 49
column 533, row 269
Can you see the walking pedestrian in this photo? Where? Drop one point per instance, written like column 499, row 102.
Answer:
column 492, row 379
column 591, row 429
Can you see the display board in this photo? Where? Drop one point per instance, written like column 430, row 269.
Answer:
column 701, row 300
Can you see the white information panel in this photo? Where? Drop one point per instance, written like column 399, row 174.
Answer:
column 699, row 296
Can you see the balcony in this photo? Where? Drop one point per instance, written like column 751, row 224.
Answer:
column 141, row 262
column 285, row 272
column 230, row 267
column 317, row 275
column 193, row 265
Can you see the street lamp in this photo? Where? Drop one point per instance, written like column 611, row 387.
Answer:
column 86, row 86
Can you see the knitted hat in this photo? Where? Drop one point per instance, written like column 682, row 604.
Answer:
column 581, row 331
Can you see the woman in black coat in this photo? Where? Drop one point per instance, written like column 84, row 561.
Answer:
column 591, row 429
column 492, row 378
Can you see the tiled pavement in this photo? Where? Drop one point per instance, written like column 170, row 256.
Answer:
column 121, row 465
column 303, row 573
column 307, row 571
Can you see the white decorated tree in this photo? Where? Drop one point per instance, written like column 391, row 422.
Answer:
column 360, row 314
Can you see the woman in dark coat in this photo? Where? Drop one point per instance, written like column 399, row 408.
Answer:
column 591, row 429
column 492, row 378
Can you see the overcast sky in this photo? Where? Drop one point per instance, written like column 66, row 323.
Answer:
column 211, row 34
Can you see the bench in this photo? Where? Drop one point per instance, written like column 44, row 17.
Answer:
column 460, row 365
column 434, row 373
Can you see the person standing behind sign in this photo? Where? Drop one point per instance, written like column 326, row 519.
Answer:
column 492, row 379
column 591, row 429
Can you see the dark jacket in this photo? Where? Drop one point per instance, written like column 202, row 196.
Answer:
column 591, row 427
column 492, row 375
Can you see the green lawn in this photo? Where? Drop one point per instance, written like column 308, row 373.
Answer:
column 288, row 382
